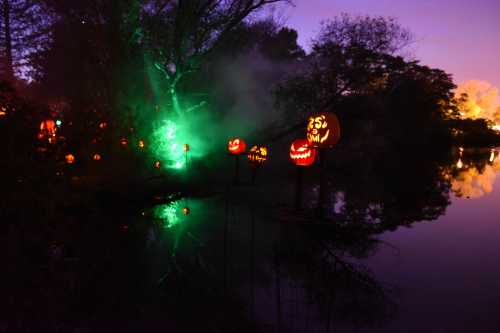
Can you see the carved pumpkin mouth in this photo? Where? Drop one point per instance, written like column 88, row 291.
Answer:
column 300, row 156
column 327, row 134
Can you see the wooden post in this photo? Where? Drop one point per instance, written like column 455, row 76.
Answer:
column 322, row 181
column 254, row 174
column 298, row 188
column 236, row 179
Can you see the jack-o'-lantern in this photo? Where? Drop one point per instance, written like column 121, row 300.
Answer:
column 186, row 210
column 141, row 144
column 185, row 147
column 124, row 142
column 96, row 157
column 257, row 155
column 236, row 146
column 70, row 158
column 47, row 129
column 323, row 130
column 301, row 153
column 103, row 125
column 157, row 165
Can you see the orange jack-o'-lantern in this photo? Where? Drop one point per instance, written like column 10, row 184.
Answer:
column 48, row 129
column 257, row 155
column 124, row 142
column 97, row 157
column 141, row 144
column 186, row 210
column 186, row 147
column 157, row 165
column 323, row 130
column 70, row 158
column 301, row 153
column 236, row 146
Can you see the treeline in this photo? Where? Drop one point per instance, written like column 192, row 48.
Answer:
column 92, row 62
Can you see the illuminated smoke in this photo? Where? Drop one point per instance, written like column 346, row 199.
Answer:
column 482, row 101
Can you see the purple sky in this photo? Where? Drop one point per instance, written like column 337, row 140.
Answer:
column 459, row 36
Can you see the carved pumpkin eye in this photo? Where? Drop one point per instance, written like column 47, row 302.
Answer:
column 318, row 123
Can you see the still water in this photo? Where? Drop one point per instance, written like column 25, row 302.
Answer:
column 421, row 255
column 406, row 246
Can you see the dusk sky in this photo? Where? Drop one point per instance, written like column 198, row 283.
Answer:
column 459, row 36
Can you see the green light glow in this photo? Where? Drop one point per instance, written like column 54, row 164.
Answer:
column 58, row 122
column 167, row 146
column 169, row 213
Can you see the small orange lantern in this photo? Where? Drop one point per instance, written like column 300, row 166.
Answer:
column 236, row 146
column 257, row 155
column 186, row 147
column 123, row 142
column 301, row 153
column 48, row 129
column 70, row 158
column 142, row 144
column 103, row 125
column 323, row 130
column 186, row 210
column 157, row 165
column 96, row 157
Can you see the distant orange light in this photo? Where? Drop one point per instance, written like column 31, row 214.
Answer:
column 157, row 165
column 103, row 125
column 123, row 142
column 186, row 147
column 70, row 158
column 142, row 144
column 96, row 157
column 186, row 210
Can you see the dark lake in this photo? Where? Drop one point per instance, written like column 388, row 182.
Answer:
column 413, row 252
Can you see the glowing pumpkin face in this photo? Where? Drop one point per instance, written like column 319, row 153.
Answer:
column 236, row 146
column 301, row 153
column 48, row 129
column 323, row 130
column 70, row 158
column 257, row 155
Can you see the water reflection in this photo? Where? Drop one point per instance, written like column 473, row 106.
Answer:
column 476, row 177
column 237, row 261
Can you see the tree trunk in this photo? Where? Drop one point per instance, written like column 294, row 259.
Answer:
column 9, row 66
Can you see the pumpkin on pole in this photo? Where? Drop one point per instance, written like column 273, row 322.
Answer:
column 236, row 147
column 257, row 156
column 323, row 132
column 302, row 155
